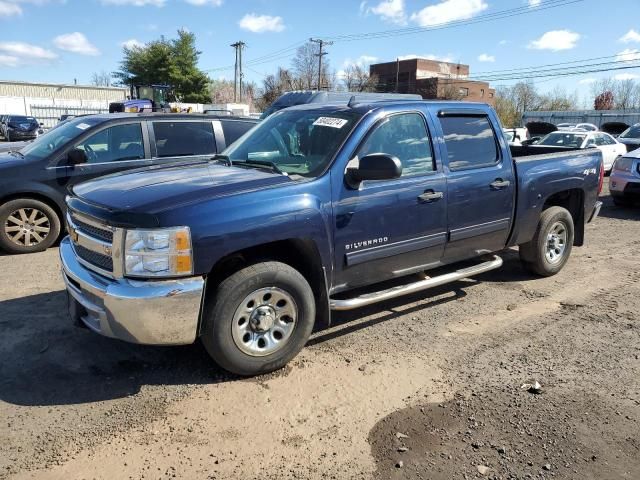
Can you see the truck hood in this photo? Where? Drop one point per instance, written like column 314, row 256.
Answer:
column 8, row 160
column 156, row 189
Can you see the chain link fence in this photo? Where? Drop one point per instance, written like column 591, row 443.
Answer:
column 49, row 115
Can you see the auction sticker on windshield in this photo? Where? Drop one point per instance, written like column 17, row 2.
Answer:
column 331, row 122
column 83, row 126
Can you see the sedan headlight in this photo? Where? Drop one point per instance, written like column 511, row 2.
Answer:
column 623, row 164
column 164, row 252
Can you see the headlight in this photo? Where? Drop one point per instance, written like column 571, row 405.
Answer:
column 163, row 252
column 623, row 164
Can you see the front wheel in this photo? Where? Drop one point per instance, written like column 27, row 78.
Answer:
column 27, row 226
column 550, row 248
column 259, row 318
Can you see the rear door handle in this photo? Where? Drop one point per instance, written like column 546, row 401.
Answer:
column 499, row 184
column 430, row 196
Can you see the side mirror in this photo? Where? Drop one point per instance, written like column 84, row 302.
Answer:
column 376, row 166
column 77, row 156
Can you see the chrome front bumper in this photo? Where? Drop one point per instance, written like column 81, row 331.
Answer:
column 148, row 312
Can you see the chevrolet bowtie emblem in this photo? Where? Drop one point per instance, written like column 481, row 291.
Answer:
column 74, row 235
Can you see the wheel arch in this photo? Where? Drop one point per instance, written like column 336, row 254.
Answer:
column 41, row 197
column 573, row 201
column 300, row 253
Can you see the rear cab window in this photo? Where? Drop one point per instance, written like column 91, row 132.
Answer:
column 183, row 138
column 470, row 141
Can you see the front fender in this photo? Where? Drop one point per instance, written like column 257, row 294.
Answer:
column 227, row 225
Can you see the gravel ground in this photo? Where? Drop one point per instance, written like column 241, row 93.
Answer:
column 425, row 387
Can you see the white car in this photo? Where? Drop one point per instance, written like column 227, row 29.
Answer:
column 609, row 146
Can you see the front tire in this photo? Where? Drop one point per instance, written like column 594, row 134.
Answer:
column 27, row 226
column 550, row 248
column 259, row 318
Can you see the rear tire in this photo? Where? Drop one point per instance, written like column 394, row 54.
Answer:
column 27, row 226
column 259, row 318
column 550, row 248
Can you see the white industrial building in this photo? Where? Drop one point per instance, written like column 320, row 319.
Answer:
column 47, row 101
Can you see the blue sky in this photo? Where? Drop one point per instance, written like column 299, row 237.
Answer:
column 58, row 40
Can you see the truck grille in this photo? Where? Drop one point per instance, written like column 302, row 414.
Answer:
column 94, row 258
column 104, row 235
column 93, row 243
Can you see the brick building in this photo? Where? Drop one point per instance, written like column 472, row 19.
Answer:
column 432, row 79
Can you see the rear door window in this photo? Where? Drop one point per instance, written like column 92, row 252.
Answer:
column 182, row 139
column 470, row 142
column 234, row 129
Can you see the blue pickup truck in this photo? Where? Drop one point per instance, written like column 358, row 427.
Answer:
column 250, row 249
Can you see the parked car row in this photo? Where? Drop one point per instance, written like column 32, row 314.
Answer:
column 35, row 179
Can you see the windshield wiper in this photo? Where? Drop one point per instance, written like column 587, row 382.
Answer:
column 16, row 152
column 223, row 159
column 261, row 164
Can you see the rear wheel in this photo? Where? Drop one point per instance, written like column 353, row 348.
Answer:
column 27, row 225
column 259, row 318
column 550, row 248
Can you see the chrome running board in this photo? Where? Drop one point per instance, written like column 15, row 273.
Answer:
column 375, row 297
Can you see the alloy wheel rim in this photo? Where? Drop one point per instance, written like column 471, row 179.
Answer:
column 556, row 243
column 27, row 227
column 264, row 321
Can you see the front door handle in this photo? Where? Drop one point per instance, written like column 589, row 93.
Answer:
column 430, row 196
column 499, row 184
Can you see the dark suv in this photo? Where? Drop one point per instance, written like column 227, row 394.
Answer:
column 35, row 179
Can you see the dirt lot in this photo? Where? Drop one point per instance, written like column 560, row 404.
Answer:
column 426, row 387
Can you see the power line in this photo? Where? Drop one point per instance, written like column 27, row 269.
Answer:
column 290, row 51
column 545, row 5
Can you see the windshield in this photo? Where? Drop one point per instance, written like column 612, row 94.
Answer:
column 508, row 136
column 57, row 137
column 17, row 118
column 563, row 140
column 631, row 132
column 298, row 142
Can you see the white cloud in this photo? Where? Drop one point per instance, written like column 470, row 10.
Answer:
column 556, row 40
column 135, row 3
column 483, row 57
column 202, row 3
column 261, row 23
column 75, row 42
column 587, row 81
column 390, row 11
column 626, row 76
column 503, row 42
column 631, row 37
column 628, row 55
column 362, row 61
column 448, row 11
column 132, row 43
column 9, row 9
column 429, row 56
column 15, row 54
column 534, row 3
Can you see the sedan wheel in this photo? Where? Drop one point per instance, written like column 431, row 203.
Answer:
column 27, row 227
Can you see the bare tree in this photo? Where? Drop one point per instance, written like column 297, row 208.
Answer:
column 623, row 93
column 357, row 79
column 101, row 79
column 222, row 91
column 305, row 67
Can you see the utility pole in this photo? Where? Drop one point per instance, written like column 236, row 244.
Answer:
column 237, row 74
column 397, row 72
column 320, row 54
